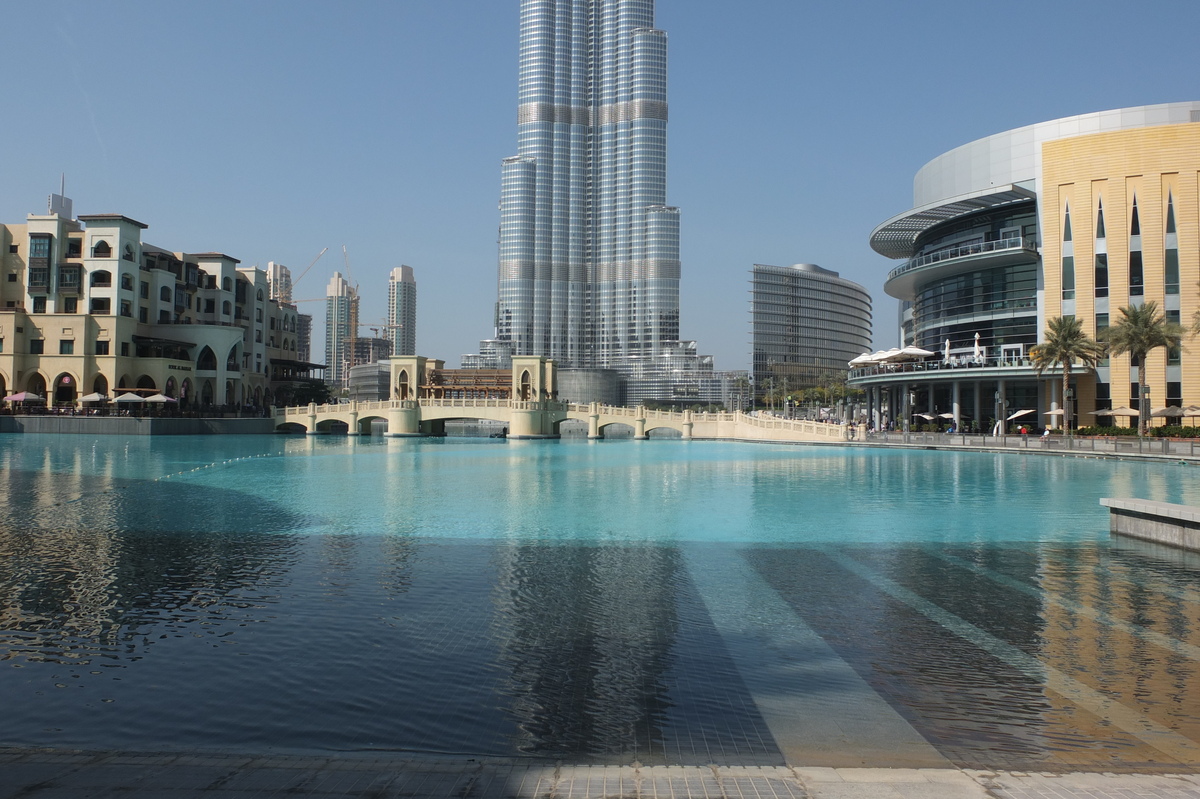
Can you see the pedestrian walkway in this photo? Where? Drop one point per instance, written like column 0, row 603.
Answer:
column 78, row 775
column 1119, row 447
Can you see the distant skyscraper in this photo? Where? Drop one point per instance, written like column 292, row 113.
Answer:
column 279, row 278
column 589, row 250
column 341, row 328
column 402, row 311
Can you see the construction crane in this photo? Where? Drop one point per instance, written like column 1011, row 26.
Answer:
column 310, row 266
column 350, row 360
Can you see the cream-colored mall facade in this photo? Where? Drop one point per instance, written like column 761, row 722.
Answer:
column 531, row 411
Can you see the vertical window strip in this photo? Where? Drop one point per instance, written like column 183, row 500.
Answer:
column 1100, row 234
column 1175, row 351
column 1068, row 277
column 1171, row 266
column 1135, row 273
column 1067, row 223
column 1101, row 280
column 1135, row 224
column 1170, row 212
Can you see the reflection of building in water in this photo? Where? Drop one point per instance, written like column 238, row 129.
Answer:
column 586, row 635
column 83, row 577
column 1143, row 658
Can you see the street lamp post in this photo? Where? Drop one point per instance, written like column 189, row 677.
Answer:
column 1068, row 408
column 1144, row 411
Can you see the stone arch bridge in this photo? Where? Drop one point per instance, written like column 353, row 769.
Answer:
column 536, row 419
column 425, row 395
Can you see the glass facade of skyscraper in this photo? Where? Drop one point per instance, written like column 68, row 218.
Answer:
column 589, row 250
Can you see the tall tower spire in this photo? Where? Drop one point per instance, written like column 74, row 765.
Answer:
column 589, row 250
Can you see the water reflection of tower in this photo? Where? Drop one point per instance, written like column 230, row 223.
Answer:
column 586, row 634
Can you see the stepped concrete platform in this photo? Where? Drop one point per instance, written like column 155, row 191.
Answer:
column 1160, row 522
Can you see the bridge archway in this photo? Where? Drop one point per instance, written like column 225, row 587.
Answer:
column 365, row 423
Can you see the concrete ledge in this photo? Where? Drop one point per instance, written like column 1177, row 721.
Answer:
column 1160, row 522
column 134, row 426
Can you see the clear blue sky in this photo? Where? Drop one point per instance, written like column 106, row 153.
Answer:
column 269, row 130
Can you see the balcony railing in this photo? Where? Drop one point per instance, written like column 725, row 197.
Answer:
column 940, row 365
column 1011, row 244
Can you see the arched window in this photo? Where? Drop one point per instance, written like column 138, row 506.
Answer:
column 101, row 278
column 128, row 256
column 231, row 363
column 1137, row 287
column 227, row 284
column 165, row 294
column 1068, row 257
column 207, row 362
column 526, row 385
column 226, row 308
column 100, row 385
column 260, row 295
column 102, row 249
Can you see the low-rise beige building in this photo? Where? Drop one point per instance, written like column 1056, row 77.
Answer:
column 87, row 307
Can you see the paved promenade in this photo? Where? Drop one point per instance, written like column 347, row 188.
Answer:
column 78, row 775
column 1121, row 448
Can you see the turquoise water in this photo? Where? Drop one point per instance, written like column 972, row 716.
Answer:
column 658, row 602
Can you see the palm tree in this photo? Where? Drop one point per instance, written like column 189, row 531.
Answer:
column 1064, row 342
column 1141, row 330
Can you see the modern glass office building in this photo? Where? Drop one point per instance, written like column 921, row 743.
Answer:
column 402, row 311
column 807, row 323
column 589, row 250
column 341, row 327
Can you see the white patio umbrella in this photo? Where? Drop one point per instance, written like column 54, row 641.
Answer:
column 945, row 416
column 94, row 397
column 129, row 397
column 911, row 353
column 978, row 350
column 1018, row 414
column 160, row 398
column 926, row 416
column 1173, row 411
column 946, row 351
column 24, row 396
column 862, row 360
column 1055, row 412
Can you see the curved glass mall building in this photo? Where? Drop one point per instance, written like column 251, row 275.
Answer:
column 807, row 323
column 1078, row 216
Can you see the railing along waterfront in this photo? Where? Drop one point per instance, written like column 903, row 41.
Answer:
column 966, row 251
column 1114, row 446
column 961, row 364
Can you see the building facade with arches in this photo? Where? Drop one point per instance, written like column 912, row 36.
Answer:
column 87, row 307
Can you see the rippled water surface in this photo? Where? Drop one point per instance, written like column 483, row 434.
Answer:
column 609, row 602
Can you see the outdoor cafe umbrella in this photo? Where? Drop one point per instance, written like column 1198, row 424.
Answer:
column 129, row 397
column 161, row 398
column 862, row 360
column 926, row 416
column 1018, row 414
column 946, row 351
column 94, row 397
column 1171, row 410
column 945, row 416
column 978, row 350
column 24, row 396
column 911, row 353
